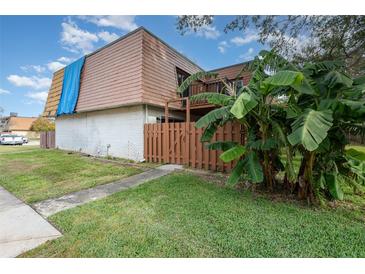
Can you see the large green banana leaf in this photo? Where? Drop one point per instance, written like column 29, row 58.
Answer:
column 253, row 167
column 232, row 153
column 334, row 78
column 294, row 79
column 209, row 133
column 236, row 173
column 212, row 98
column 213, row 116
column 310, row 128
column 221, row 145
column 243, row 105
column 333, row 185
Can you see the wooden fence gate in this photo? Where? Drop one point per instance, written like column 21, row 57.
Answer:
column 48, row 139
column 179, row 143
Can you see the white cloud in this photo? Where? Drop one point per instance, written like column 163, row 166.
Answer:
column 107, row 36
column 36, row 68
column 294, row 45
column 209, row 32
column 54, row 66
column 247, row 55
column 65, row 60
column 122, row 22
column 4, row 91
column 33, row 82
column 38, row 97
column 77, row 40
column 246, row 39
column 222, row 46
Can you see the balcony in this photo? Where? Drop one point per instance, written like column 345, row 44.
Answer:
column 197, row 88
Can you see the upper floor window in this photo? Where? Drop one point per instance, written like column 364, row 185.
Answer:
column 239, row 84
column 181, row 77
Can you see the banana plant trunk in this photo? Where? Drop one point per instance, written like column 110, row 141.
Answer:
column 269, row 179
column 305, row 177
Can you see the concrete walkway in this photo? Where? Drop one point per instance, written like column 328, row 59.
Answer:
column 21, row 228
column 52, row 206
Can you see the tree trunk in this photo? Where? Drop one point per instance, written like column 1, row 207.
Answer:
column 305, row 178
column 269, row 179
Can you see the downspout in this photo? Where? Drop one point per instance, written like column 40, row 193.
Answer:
column 146, row 121
column 146, row 114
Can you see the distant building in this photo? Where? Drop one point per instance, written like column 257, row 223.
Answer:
column 18, row 125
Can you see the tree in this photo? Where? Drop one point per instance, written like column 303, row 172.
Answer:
column 42, row 124
column 288, row 109
column 301, row 37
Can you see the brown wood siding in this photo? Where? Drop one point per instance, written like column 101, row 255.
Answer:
column 159, row 70
column 137, row 69
column 112, row 77
column 54, row 94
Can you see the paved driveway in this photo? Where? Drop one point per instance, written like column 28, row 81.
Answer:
column 21, row 228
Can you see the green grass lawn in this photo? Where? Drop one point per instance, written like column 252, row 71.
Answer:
column 34, row 174
column 9, row 149
column 182, row 215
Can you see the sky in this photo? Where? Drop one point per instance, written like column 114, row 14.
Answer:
column 33, row 47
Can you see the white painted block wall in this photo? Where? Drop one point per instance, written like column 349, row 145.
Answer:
column 121, row 129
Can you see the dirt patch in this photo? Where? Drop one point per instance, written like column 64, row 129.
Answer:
column 19, row 165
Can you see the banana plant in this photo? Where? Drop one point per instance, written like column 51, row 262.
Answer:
column 258, row 160
column 288, row 109
column 324, row 102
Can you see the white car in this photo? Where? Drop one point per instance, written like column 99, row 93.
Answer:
column 11, row 139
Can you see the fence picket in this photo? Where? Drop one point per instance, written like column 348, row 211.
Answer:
column 180, row 143
column 48, row 139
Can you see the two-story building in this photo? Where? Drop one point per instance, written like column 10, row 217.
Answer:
column 124, row 85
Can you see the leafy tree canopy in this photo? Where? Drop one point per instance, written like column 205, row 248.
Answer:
column 42, row 124
column 300, row 38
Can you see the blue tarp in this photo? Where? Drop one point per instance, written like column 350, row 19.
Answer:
column 70, row 87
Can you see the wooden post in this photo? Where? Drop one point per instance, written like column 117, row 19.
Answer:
column 166, row 112
column 187, row 109
column 145, row 141
column 166, row 134
column 187, row 133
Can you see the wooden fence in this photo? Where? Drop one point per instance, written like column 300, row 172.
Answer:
column 356, row 139
column 179, row 143
column 48, row 139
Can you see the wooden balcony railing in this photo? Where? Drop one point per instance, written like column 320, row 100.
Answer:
column 198, row 88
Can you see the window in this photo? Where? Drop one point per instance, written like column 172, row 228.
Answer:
column 239, row 84
column 181, row 77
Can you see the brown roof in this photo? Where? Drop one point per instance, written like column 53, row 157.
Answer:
column 54, row 94
column 232, row 71
column 20, row 123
